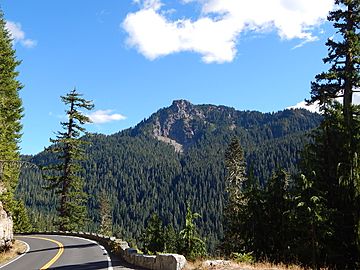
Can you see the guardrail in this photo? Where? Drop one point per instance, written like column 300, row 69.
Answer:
column 121, row 248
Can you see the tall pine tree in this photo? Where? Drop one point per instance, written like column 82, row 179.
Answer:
column 338, row 176
column 323, row 163
column 105, row 214
column 343, row 78
column 278, row 236
column 11, row 112
column 64, row 176
column 235, row 202
column 153, row 237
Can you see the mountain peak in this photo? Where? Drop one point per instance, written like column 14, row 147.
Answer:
column 181, row 105
column 181, row 102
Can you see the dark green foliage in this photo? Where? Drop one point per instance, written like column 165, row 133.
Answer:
column 154, row 238
column 337, row 142
column 311, row 222
column 171, row 239
column 253, row 220
column 142, row 175
column 20, row 218
column 326, row 164
column 157, row 238
column 11, row 112
column 277, row 206
column 263, row 226
column 343, row 77
column 64, row 176
column 105, row 214
column 42, row 221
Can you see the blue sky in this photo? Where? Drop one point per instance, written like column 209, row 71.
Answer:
column 133, row 57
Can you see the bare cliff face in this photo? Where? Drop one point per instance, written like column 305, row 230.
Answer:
column 176, row 124
column 183, row 123
column 6, row 225
column 6, row 229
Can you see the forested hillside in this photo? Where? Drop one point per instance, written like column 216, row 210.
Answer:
column 175, row 156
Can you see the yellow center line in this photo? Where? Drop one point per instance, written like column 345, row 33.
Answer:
column 57, row 256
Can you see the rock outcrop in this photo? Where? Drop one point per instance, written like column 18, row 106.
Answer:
column 6, row 229
column 178, row 124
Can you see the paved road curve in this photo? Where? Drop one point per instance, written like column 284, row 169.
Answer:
column 63, row 253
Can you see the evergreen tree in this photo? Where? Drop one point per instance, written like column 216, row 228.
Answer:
column 21, row 219
column 11, row 112
column 64, row 175
column 153, row 237
column 310, row 221
column 171, row 239
column 253, row 217
column 235, row 201
column 105, row 214
column 323, row 162
column 341, row 80
column 277, row 206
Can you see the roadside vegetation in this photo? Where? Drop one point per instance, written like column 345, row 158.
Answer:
column 233, row 265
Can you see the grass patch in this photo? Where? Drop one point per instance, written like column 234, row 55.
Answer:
column 233, row 265
column 17, row 249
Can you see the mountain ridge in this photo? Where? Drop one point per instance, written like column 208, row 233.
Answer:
column 178, row 124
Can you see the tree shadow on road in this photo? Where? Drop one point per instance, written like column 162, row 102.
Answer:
column 103, row 265
column 65, row 247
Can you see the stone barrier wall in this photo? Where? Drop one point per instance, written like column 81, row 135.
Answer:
column 121, row 248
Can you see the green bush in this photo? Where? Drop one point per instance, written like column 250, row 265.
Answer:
column 245, row 257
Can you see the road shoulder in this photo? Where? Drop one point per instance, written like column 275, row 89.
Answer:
column 18, row 249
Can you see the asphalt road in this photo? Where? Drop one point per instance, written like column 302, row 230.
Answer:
column 64, row 253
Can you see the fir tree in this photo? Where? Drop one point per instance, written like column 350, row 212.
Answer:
column 277, row 206
column 105, row 214
column 64, row 177
column 310, row 221
column 235, row 202
column 11, row 112
column 341, row 80
column 153, row 237
column 20, row 217
column 171, row 239
column 323, row 163
column 253, row 218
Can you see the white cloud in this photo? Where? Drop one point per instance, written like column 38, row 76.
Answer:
column 315, row 107
column 215, row 32
column 105, row 116
column 18, row 35
column 356, row 97
column 302, row 105
column 301, row 44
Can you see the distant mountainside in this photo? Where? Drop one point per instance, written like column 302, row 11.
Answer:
column 183, row 124
column 176, row 155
